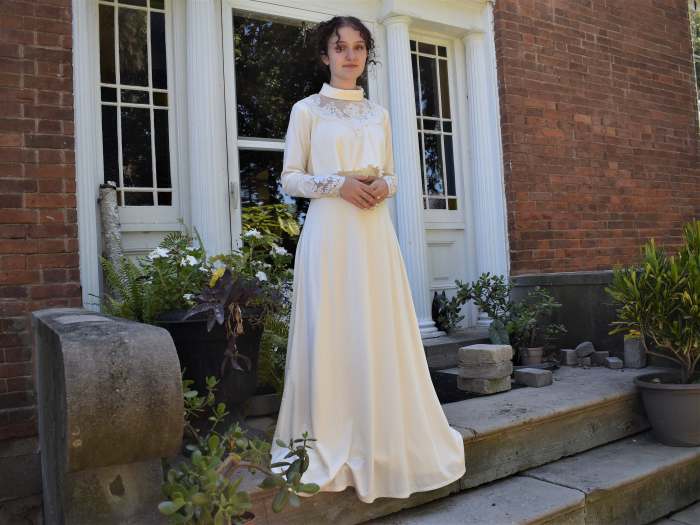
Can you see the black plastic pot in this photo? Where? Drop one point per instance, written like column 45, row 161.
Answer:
column 673, row 408
column 201, row 354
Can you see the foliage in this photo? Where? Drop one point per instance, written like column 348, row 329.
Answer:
column 201, row 490
column 527, row 323
column 659, row 301
column 273, row 349
column 165, row 280
column 522, row 324
column 446, row 312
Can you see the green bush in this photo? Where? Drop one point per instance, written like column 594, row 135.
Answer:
column 659, row 301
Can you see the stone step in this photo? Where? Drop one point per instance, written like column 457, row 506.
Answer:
column 688, row 516
column 441, row 352
column 633, row 481
column 503, row 434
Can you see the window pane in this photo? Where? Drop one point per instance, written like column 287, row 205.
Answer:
column 276, row 65
column 132, row 96
column 109, row 94
column 160, row 99
column 449, row 165
column 414, row 68
column 158, row 58
column 428, row 85
column 426, row 48
column 442, row 51
column 165, row 198
column 133, row 50
column 444, row 89
column 136, row 147
column 141, row 3
column 433, row 164
column 107, row 72
column 437, row 204
column 422, row 162
column 158, row 4
column 160, row 127
column 110, row 150
column 132, row 198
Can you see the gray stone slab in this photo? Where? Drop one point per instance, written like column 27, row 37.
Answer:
column 688, row 516
column 585, row 349
column 634, row 354
column 568, row 357
column 484, row 386
column 533, row 377
column 516, row 500
column 486, row 371
column 484, row 354
column 510, row 432
column 441, row 352
column 613, row 362
column 634, row 480
column 584, row 361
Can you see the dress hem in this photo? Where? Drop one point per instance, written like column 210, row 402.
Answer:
column 422, row 489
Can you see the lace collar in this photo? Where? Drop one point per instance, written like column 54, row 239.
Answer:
column 342, row 94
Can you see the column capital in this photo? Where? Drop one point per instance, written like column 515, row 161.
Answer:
column 473, row 34
column 396, row 19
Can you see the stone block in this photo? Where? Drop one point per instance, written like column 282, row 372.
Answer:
column 598, row 357
column 110, row 407
column 486, row 371
column 484, row 386
column 484, row 354
column 585, row 349
column 613, row 362
column 634, row 354
column 534, row 377
column 584, row 361
column 568, row 357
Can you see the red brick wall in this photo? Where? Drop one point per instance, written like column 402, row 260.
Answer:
column 38, row 230
column 599, row 127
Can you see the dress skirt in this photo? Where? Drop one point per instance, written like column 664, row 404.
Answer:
column 356, row 376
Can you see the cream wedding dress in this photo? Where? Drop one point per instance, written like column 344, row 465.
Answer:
column 356, row 376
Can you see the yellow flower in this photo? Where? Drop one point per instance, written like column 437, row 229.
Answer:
column 216, row 276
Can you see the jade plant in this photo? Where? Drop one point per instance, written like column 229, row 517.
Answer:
column 203, row 489
column 658, row 302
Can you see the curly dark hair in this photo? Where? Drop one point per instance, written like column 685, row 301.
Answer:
column 325, row 30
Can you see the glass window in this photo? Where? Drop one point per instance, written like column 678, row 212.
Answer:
column 134, row 101
column 275, row 65
column 432, row 97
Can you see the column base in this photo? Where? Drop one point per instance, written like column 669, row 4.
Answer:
column 428, row 330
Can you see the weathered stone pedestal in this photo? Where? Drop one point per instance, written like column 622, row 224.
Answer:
column 110, row 407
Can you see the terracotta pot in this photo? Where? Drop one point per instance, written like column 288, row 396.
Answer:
column 673, row 408
column 531, row 356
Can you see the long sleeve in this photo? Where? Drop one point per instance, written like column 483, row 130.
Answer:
column 296, row 181
column 389, row 175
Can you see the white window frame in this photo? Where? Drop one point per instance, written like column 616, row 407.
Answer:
column 451, row 219
column 146, row 218
column 234, row 143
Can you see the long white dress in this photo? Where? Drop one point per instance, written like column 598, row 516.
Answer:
column 356, row 376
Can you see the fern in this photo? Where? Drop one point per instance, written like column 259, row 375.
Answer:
column 273, row 350
column 127, row 290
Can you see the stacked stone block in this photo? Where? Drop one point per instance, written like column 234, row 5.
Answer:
column 485, row 369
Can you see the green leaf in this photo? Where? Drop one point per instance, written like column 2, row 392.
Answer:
column 170, row 507
column 280, row 500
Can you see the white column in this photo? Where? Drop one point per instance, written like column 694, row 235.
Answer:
column 208, row 173
column 489, row 206
column 409, row 198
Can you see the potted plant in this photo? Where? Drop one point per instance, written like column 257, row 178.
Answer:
column 446, row 312
column 529, row 328
column 525, row 325
column 202, row 488
column 659, row 302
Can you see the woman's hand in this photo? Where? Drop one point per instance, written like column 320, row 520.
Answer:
column 363, row 194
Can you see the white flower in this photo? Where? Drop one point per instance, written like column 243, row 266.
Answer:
column 279, row 250
column 266, row 265
column 261, row 276
column 218, row 264
column 189, row 260
column 158, row 252
column 188, row 296
column 253, row 233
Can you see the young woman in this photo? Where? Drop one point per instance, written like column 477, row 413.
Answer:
column 356, row 376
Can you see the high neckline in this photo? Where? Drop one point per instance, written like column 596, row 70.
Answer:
column 343, row 94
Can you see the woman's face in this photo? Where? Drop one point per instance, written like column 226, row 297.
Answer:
column 346, row 56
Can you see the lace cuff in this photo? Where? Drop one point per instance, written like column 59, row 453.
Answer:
column 311, row 186
column 392, row 182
